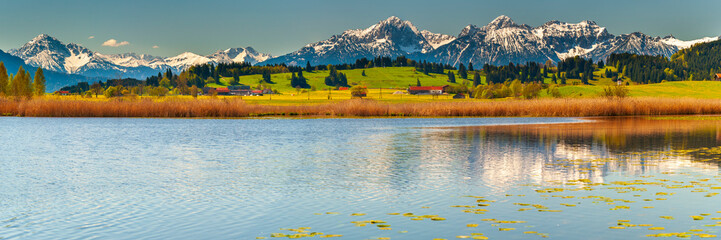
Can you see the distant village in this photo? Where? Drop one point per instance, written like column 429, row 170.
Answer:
column 242, row 90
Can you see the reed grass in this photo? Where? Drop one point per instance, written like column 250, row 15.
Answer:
column 233, row 108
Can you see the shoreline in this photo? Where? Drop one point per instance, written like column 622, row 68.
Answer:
column 358, row 108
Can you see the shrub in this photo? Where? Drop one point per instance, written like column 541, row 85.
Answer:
column 112, row 92
column 531, row 90
column 619, row 91
column 553, row 91
column 358, row 91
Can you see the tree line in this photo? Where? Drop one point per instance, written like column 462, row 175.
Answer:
column 21, row 85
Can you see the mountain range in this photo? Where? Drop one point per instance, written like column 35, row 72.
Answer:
column 52, row 54
column 499, row 42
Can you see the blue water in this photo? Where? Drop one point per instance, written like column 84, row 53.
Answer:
column 241, row 179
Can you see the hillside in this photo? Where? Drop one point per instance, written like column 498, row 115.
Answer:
column 390, row 77
column 701, row 59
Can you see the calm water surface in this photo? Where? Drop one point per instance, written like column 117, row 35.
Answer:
column 242, row 179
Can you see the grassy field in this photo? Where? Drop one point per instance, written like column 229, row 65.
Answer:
column 395, row 77
column 685, row 89
column 385, row 97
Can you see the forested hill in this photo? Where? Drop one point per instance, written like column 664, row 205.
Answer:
column 702, row 60
column 699, row 62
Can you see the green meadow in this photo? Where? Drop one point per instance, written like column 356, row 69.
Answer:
column 393, row 79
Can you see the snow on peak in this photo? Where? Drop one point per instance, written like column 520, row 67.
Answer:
column 502, row 21
column 46, row 52
column 392, row 22
column 502, row 18
column 392, row 19
column 469, row 30
column 247, row 54
column 587, row 23
column 671, row 40
column 437, row 39
column 186, row 59
column 43, row 36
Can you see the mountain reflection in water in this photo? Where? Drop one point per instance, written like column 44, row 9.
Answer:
column 508, row 154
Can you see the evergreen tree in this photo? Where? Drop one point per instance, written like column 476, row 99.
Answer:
column 302, row 82
column 236, row 79
column 451, row 77
column 308, row 68
column 343, row 81
column 27, row 86
column 20, row 86
column 39, row 83
column 266, row 76
column 293, row 80
column 418, row 82
column 4, row 81
column 16, row 84
column 553, row 78
column 169, row 74
column 470, row 66
column 476, row 79
column 462, row 71
column 335, row 78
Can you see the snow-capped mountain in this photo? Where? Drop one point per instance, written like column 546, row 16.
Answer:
column 247, row 54
column 671, row 40
column 390, row 37
column 134, row 60
column 437, row 39
column 51, row 54
column 53, row 80
column 499, row 42
column 636, row 43
column 503, row 41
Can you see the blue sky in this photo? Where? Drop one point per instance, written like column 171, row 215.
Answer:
column 283, row 26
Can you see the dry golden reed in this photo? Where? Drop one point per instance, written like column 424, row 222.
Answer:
column 231, row 108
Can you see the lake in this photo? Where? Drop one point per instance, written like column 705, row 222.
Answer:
column 387, row 178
